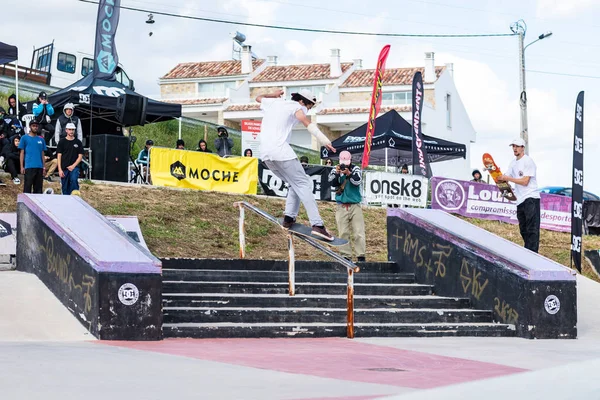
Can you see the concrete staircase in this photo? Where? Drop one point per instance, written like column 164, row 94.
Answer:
column 249, row 298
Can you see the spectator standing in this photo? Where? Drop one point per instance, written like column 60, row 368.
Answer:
column 144, row 155
column 42, row 111
column 279, row 118
column 11, row 154
column 223, row 144
column 477, row 176
column 248, row 153
column 522, row 172
column 304, row 162
column 31, row 159
column 203, row 147
column 65, row 118
column 404, row 169
column 347, row 178
column 180, row 144
column 328, row 162
column 70, row 154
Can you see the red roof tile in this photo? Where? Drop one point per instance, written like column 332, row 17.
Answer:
column 243, row 107
column 392, row 76
column 363, row 110
column 197, row 101
column 304, row 72
column 208, row 69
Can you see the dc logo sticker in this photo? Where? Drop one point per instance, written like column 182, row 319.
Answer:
column 450, row 195
column 128, row 294
column 552, row 304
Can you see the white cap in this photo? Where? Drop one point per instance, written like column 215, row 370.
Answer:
column 308, row 95
column 70, row 125
column 518, row 142
column 69, row 105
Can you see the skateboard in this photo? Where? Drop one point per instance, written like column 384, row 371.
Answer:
column 494, row 170
column 307, row 231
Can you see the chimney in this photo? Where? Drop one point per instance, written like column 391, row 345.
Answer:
column 429, row 75
column 246, row 58
column 450, row 69
column 335, row 67
column 271, row 60
column 358, row 63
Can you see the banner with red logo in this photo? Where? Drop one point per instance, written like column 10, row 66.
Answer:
column 375, row 103
column 251, row 137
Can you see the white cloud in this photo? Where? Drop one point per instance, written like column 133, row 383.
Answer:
column 562, row 8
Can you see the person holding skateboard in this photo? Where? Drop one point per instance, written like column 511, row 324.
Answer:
column 279, row 118
column 522, row 172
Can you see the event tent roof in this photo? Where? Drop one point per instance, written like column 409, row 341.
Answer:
column 394, row 133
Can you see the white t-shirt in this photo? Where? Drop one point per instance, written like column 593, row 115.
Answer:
column 520, row 168
column 276, row 129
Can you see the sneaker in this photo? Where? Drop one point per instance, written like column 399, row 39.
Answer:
column 16, row 181
column 361, row 259
column 321, row 232
column 288, row 222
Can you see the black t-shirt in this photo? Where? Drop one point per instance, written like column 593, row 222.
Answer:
column 69, row 150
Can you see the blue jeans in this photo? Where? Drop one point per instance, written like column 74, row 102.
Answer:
column 69, row 182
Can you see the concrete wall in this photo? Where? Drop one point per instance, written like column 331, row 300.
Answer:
column 173, row 89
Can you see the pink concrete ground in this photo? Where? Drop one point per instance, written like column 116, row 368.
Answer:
column 331, row 358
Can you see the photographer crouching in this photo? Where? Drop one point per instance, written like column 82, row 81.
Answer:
column 347, row 178
column 223, row 144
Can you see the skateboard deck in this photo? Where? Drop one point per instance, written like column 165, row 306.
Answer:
column 307, row 231
column 494, row 170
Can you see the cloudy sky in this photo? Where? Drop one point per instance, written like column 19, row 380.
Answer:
column 486, row 69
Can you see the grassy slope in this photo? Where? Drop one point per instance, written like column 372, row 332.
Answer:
column 185, row 223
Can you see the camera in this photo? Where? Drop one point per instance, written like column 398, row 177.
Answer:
column 343, row 167
column 222, row 134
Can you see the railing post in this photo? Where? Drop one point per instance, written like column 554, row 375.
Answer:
column 291, row 265
column 242, row 232
column 350, row 301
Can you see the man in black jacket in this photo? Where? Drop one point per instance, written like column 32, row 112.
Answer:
column 223, row 144
column 13, row 108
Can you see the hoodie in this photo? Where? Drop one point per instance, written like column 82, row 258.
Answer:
column 13, row 110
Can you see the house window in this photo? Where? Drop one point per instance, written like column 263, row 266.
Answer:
column 87, row 64
column 393, row 98
column 215, row 89
column 448, row 110
column 66, row 63
column 316, row 90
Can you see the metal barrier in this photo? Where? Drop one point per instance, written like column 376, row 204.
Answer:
column 350, row 266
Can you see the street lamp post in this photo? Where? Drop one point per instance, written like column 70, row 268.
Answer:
column 520, row 28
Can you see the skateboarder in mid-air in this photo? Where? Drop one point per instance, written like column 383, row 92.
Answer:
column 279, row 118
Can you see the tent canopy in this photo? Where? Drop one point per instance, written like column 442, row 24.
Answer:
column 8, row 53
column 394, row 133
column 98, row 99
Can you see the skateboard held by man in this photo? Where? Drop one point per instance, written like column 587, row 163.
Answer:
column 494, row 170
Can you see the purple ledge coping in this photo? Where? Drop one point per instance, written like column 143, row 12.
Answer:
column 500, row 251
column 90, row 235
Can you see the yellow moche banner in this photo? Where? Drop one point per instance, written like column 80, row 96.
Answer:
column 203, row 171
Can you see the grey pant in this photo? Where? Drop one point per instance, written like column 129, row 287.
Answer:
column 300, row 189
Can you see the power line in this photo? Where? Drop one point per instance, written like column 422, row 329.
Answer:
column 563, row 74
column 289, row 28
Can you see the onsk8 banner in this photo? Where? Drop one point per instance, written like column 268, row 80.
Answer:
column 202, row 171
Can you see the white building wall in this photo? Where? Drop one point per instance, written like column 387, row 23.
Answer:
column 462, row 130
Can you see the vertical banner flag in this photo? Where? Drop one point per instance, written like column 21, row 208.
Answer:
column 577, row 189
column 375, row 103
column 106, row 58
column 420, row 160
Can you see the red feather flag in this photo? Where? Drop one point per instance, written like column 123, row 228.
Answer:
column 375, row 103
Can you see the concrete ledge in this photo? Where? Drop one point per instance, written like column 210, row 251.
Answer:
column 535, row 294
column 110, row 284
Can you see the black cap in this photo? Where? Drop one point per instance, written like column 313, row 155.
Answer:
column 149, row 142
column 404, row 166
column 179, row 142
column 42, row 95
column 34, row 122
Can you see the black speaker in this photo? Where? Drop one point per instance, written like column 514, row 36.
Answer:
column 131, row 109
column 110, row 158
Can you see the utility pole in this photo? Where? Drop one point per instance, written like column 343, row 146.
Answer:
column 520, row 29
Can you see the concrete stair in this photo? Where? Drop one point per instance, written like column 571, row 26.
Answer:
column 249, row 298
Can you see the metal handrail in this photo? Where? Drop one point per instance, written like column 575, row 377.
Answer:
column 350, row 266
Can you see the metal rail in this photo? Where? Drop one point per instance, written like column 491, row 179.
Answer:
column 350, row 266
